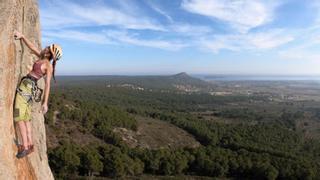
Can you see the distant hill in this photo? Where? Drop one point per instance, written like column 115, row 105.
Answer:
column 184, row 78
column 181, row 75
column 180, row 81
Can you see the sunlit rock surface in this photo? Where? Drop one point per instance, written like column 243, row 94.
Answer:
column 15, row 61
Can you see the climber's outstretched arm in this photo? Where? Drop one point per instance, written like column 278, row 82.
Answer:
column 33, row 48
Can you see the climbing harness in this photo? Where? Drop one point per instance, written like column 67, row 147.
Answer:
column 36, row 92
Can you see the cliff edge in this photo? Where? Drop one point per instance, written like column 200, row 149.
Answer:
column 22, row 15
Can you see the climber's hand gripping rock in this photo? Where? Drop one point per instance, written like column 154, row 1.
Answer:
column 17, row 35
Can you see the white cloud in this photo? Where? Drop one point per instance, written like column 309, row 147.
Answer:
column 50, row 20
column 268, row 40
column 114, row 38
column 124, row 37
column 75, row 15
column 124, row 17
column 160, row 11
column 79, row 36
column 107, row 16
column 190, row 30
column 306, row 46
column 184, row 29
column 241, row 14
column 253, row 41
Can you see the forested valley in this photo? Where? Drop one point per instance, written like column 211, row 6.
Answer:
column 238, row 136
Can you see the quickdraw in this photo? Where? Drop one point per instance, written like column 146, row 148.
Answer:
column 35, row 94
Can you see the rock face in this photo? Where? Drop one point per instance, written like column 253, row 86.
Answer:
column 15, row 60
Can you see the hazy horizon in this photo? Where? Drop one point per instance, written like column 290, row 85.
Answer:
column 220, row 77
column 191, row 74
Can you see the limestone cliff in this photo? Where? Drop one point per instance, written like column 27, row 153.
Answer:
column 22, row 15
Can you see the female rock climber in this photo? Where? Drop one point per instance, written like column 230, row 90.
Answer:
column 27, row 90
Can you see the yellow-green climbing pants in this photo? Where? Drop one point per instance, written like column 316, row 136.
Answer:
column 22, row 103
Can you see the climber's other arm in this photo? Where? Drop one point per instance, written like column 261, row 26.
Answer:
column 47, row 89
column 31, row 46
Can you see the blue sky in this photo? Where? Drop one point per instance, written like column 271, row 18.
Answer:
column 265, row 37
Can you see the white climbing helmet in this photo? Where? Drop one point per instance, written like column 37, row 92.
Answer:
column 56, row 50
